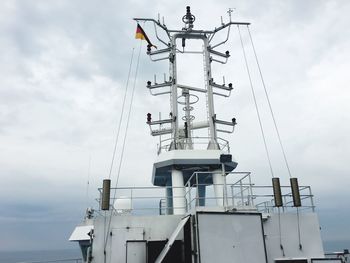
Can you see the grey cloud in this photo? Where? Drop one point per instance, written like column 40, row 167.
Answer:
column 62, row 80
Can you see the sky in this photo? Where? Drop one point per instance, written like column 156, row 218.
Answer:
column 63, row 72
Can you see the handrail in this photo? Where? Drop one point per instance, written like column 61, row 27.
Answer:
column 242, row 193
column 165, row 144
column 76, row 260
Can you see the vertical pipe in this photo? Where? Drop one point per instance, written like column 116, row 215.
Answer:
column 242, row 196
column 201, row 194
column 312, row 199
column 225, row 185
column 197, row 192
column 233, row 195
column 211, row 112
column 106, row 191
column 295, row 192
column 179, row 200
column 188, row 188
column 188, row 123
column 218, row 182
column 174, row 106
column 251, row 202
column 277, row 193
column 169, row 198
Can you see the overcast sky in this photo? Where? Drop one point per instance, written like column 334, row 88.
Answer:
column 63, row 69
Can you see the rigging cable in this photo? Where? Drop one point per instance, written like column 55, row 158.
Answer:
column 117, row 135
column 269, row 103
column 121, row 115
column 128, row 120
column 280, row 232
column 88, row 183
column 255, row 102
column 276, row 128
column 124, row 141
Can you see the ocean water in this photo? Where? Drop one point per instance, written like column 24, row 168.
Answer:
column 43, row 255
column 336, row 245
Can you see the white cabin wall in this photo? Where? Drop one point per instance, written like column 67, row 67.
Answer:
column 127, row 227
column 309, row 232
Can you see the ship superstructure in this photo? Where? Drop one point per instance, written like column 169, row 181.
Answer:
column 200, row 209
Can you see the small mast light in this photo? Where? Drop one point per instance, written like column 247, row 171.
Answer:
column 149, row 117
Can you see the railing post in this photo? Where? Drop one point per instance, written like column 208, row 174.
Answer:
column 132, row 200
column 242, row 197
column 251, row 190
column 225, row 186
column 232, row 194
column 312, row 200
column 197, row 194
column 189, row 201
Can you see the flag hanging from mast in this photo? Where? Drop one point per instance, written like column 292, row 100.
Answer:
column 140, row 34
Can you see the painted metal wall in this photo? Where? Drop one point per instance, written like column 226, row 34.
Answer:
column 310, row 236
column 132, row 229
column 236, row 237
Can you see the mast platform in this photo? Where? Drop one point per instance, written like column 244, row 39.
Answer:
column 189, row 161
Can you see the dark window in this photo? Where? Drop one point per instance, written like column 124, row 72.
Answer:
column 175, row 254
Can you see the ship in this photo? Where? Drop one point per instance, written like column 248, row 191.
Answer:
column 200, row 209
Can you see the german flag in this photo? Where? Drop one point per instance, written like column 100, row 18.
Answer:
column 140, row 34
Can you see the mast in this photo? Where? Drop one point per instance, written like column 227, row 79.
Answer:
column 175, row 169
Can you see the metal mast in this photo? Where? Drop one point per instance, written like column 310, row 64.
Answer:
column 175, row 169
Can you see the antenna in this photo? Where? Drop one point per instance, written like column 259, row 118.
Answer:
column 188, row 19
column 230, row 11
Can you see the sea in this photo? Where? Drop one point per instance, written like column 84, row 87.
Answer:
column 74, row 254
column 58, row 256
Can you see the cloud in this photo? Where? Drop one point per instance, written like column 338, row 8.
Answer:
column 64, row 70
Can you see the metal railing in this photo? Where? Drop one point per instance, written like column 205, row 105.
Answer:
column 268, row 205
column 69, row 260
column 139, row 200
column 236, row 194
column 198, row 143
column 343, row 256
column 244, row 194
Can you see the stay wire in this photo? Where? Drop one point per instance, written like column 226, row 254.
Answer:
column 299, row 235
column 255, row 102
column 269, row 103
column 88, row 183
column 280, row 232
column 127, row 121
column 121, row 116
column 117, row 139
column 124, row 141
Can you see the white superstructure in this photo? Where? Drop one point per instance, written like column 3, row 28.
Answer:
column 200, row 209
